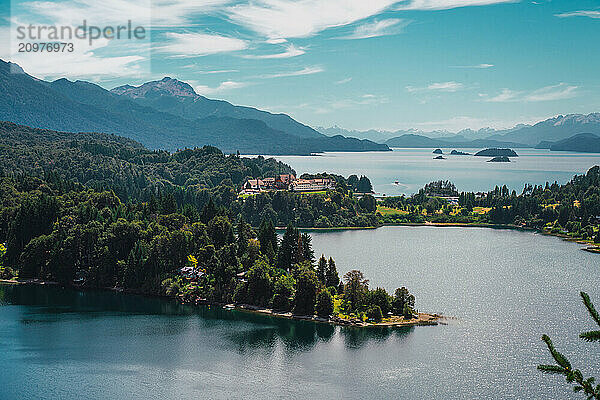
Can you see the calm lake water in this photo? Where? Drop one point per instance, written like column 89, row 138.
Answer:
column 505, row 288
column 413, row 168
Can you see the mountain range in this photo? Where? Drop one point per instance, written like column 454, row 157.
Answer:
column 420, row 141
column 551, row 130
column 583, row 143
column 165, row 114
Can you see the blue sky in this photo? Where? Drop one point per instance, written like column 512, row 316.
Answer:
column 383, row 64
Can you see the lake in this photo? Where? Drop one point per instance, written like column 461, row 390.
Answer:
column 504, row 289
column 413, row 168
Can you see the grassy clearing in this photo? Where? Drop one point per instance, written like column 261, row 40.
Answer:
column 390, row 211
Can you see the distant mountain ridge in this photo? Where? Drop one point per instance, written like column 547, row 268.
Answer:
column 419, row 141
column 583, row 142
column 381, row 136
column 523, row 135
column 553, row 129
column 85, row 107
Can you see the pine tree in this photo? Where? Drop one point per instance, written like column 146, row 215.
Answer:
column 308, row 253
column 268, row 239
column 331, row 274
column 243, row 235
column 288, row 252
column 322, row 270
column 208, row 211
column 563, row 366
column 324, row 305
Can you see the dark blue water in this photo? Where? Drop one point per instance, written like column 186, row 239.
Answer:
column 505, row 289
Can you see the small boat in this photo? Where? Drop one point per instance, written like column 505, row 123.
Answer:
column 396, row 183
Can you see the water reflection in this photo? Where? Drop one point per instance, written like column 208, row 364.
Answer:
column 247, row 332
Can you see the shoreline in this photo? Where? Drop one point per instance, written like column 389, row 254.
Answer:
column 423, row 319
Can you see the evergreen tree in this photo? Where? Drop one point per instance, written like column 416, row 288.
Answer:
column 306, row 293
column 331, row 274
column 209, row 211
column 243, row 235
column 288, row 251
column 402, row 298
column 324, row 304
column 267, row 236
column 364, row 185
column 563, row 366
column 134, row 266
column 308, row 253
column 168, row 205
column 322, row 270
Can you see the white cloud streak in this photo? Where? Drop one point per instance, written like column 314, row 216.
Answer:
column 200, row 44
column 223, row 87
column 277, row 19
column 446, row 4
column 589, row 14
column 561, row 91
column 343, row 81
column 290, row 51
column 437, row 87
column 385, row 27
column 301, row 72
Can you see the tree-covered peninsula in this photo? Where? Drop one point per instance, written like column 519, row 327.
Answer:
column 62, row 232
column 100, row 211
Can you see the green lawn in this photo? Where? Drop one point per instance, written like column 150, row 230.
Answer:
column 390, row 211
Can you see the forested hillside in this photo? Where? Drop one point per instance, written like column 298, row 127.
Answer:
column 86, row 107
column 188, row 178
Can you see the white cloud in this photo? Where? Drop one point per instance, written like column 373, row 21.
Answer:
column 277, row 19
column 161, row 12
column 548, row 93
column 209, row 72
column 477, row 66
column 364, row 100
column 458, row 123
column 303, row 71
column 446, row 4
column 506, row 95
column 200, row 44
column 343, row 81
column 556, row 92
column 590, row 14
column 290, row 51
column 437, row 87
column 223, row 87
column 276, row 41
column 385, row 27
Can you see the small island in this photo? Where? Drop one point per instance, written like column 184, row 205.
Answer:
column 438, row 151
column 499, row 159
column 439, row 158
column 495, row 152
column 459, row 153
